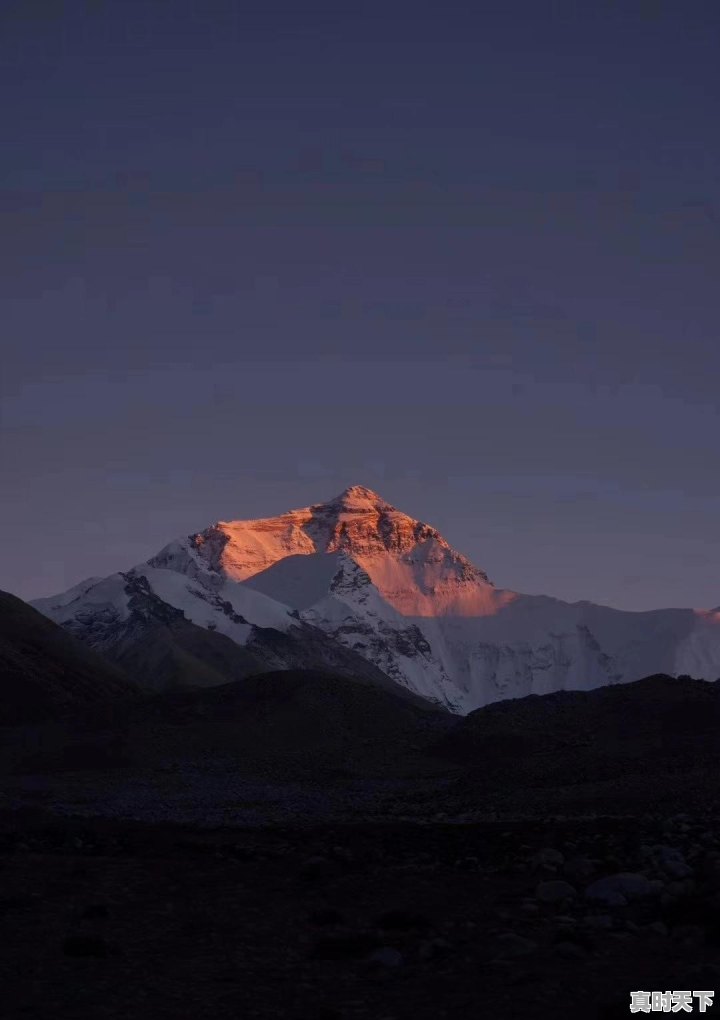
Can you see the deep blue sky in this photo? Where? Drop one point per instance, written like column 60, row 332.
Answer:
column 465, row 254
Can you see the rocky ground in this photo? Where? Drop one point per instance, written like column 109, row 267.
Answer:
column 305, row 849
column 551, row 917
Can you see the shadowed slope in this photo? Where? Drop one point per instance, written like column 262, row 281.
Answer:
column 45, row 671
column 304, row 715
column 642, row 743
column 283, row 723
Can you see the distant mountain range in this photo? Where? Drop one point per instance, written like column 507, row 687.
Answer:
column 356, row 587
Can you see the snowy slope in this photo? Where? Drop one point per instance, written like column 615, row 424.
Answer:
column 168, row 621
column 392, row 590
column 222, row 605
column 531, row 645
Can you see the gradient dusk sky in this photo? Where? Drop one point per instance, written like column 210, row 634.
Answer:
column 467, row 254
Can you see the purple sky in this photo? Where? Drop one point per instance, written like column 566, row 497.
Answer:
column 465, row 254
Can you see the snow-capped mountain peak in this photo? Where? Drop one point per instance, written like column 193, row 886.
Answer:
column 358, row 498
column 356, row 574
column 409, row 562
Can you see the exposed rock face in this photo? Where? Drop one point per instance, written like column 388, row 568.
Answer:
column 358, row 574
column 409, row 562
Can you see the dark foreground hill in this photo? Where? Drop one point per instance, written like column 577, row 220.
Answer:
column 45, row 672
column 303, row 715
column 280, row 725
column 648, row 745
column 634, row 745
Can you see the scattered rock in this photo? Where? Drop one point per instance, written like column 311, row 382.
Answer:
column 511, row 945
column 579, row 869
column 689, row 934
column 386, row 956
column 600, row 921
column 556, row 891
column 434, row 948
column 343, row 854
column 616, row 890
column 468, row 863
column 317, row 867
column 548, row 859
column 676, row 890
column 569, row 950
column 672, row 862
